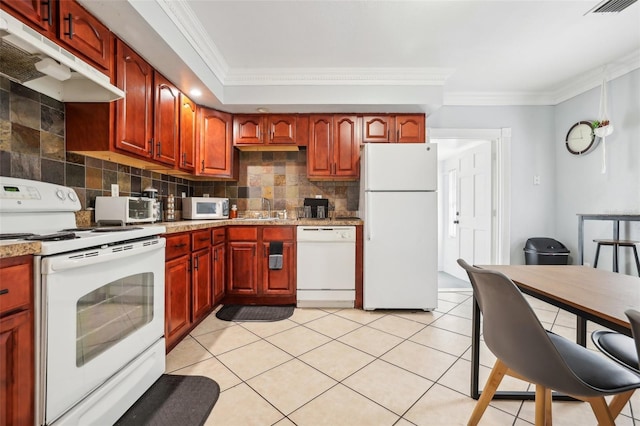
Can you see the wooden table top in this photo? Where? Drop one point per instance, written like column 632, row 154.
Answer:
column 596, row 292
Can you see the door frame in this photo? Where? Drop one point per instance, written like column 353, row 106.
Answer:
column 500, row 182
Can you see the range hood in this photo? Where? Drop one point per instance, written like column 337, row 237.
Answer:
column 34, row 61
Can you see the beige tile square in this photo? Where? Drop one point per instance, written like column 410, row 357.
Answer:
column 359, row 315
column 299, row 340
column 371, row 341
column 422, row 317
column 340, row 406
column 185, row 353
column 388, row 385
column 303, row 315
column 427, row 362
column 336, row 359
column 444, row 340
column 487, row 358
column 545, row 315
column 454, row 323
column 445, row 306
column 241, row 405
column 285, row 422
column 443, row 406
column 462, row 310
column 291, row 385
column 226, row 339
column 209, row 324
column 213, row 369
column 454, row 297
column 266, row 329
column 255, row 358
column 397, row 326
column 333, row 326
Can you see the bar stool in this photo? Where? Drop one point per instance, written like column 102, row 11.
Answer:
column 615, row 244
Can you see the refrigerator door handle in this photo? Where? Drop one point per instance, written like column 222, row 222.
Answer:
column 367, row 218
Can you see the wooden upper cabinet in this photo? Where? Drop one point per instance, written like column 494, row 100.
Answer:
column 166, row 110
column 269, row 129
column 188, row 134
column 410, row 128
column 393, row 128
column 333, row 149
column 215, row 154
column 38, row 14
column 85, row 34
column 378, row 128
column 134, row 112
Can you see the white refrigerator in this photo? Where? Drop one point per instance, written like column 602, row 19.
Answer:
column 398, row 203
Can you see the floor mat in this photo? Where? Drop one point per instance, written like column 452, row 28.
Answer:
column 254, row 313
column 174, row 400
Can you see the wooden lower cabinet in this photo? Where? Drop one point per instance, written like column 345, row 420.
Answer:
column 16, row 341
column 202, row 288
column 250, row 281
column 219, row 262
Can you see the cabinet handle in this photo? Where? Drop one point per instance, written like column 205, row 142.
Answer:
column 215, row 255
column 69, row 18
column 456, row 222
column 179, row 245
column 49, row 18
column 388, row 134
column 202, row 166
column 4, row 291
column 398, row 135
column 151, row 147
column 197, row 264
column 189, row 265
column 254, row 251
column 203, row 239
column 184, row 158
column 159, row 146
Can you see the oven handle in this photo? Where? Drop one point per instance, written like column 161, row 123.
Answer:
column 55, row 264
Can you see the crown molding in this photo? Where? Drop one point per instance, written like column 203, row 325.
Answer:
column 497, row 98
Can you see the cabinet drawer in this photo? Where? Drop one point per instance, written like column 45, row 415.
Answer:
column 279, row 233
column 15, row 287
column 249, row 233
column 217, row 235
column 177, row 245
column 200, row 239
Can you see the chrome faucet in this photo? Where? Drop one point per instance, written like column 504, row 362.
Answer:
column 268, row 206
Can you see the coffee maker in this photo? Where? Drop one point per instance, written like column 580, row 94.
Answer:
column 152, row 193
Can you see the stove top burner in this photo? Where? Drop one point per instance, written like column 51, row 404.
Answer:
column 14, row 236
column 116, row 228
column 58, row 236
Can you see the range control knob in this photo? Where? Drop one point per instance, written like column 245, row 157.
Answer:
column 72, row 196
column 60, row 194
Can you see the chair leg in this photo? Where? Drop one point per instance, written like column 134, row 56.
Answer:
column 543, row 406
column 618, row 402
column 595, row 261
column 635, row 254
column 497, row 373
column 601, row 410
column 615, row 258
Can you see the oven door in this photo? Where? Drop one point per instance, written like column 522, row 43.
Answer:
column 101, row 308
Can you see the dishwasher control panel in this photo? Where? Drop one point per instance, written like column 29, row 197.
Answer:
column 326, row 233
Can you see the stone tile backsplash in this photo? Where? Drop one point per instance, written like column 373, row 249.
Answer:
column 32, row 147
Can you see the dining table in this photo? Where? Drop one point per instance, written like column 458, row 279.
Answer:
column 591, row 294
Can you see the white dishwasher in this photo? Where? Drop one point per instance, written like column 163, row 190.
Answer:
column 326, row 266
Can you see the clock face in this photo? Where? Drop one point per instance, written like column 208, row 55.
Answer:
column 580, row 138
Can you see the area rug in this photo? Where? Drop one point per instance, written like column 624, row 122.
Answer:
column 174, row 401
column 254, row 313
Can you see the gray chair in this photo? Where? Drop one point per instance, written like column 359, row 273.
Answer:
column 525, row 350
column 618, row 347
column 634, row 320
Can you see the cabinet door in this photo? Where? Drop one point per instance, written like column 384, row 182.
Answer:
column 177, row 298
column 410, row 128
column 346, row 147
column 38, row 13
column 16, row 369
column 187, row 157
column 166, row 115
column 202, row 290
column 134, row 118
column 243, row 268
column 85, row 34
column 247, row 130
column 319, row 153
column 378, row 128
column 281, row 129
column 219, row 256
column 215, row 149
column 279, row 281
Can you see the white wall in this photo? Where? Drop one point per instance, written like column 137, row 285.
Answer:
column 580, row 185
column 532, row 153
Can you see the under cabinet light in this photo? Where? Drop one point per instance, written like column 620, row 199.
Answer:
column 53, row 69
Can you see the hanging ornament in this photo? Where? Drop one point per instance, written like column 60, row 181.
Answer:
column 603, row 127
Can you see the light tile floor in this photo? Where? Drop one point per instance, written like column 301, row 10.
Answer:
column 352, row 367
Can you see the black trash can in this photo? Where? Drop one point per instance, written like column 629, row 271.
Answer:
column 545, row 251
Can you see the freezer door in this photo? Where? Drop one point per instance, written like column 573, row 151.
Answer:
column 400, row 166
column 400, row 251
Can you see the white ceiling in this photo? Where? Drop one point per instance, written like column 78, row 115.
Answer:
column 343, row 55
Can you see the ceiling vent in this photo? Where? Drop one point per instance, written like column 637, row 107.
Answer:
column 612, row 6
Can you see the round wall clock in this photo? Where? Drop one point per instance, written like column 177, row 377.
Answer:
column 581, row 139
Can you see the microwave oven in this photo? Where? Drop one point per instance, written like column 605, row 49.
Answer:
column 205, row 208
column 123, row 210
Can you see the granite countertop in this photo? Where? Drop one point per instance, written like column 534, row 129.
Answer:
column 18, row 248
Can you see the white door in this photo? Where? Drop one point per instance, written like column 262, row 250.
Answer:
column 471, row 239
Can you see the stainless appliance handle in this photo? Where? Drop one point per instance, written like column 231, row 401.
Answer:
column 53, row 264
